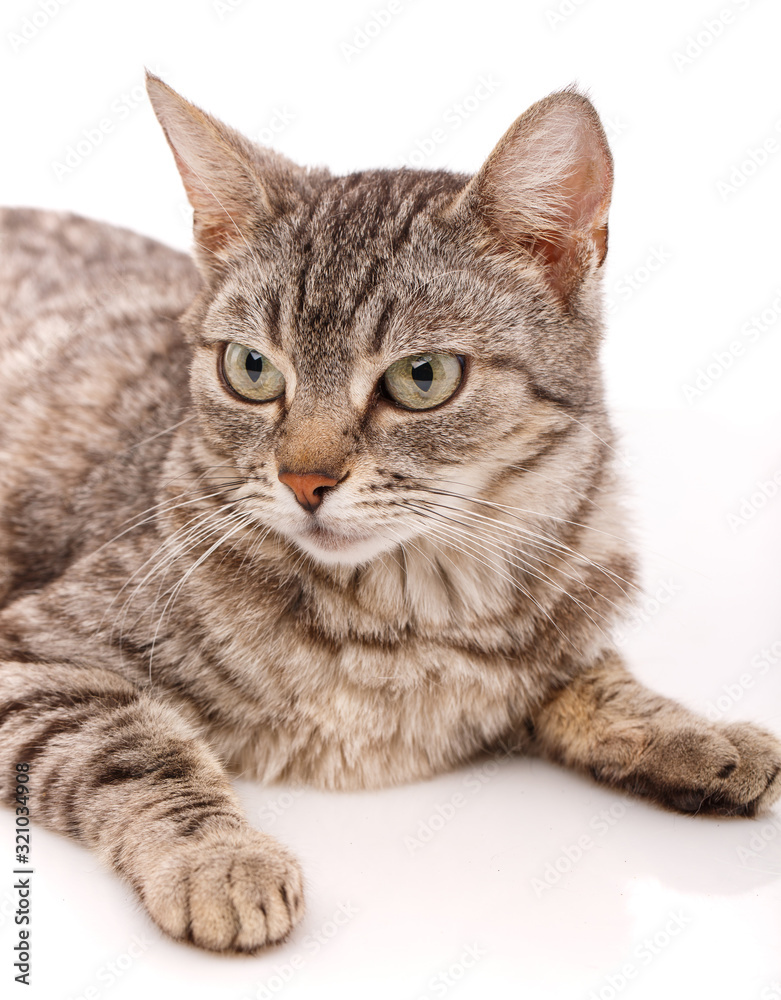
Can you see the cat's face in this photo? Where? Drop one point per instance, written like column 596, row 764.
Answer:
column 372, row 350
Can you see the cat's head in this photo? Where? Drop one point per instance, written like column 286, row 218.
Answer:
column 371, row 350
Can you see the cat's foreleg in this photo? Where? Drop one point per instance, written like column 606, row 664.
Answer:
column 609, row 725
column 130, row 778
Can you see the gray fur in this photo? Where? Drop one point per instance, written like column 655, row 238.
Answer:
column 168, row 612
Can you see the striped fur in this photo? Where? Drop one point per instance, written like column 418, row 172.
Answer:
column 170, row 615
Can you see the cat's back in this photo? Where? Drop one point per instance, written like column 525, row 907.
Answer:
column 65, row 267
column 91, row 363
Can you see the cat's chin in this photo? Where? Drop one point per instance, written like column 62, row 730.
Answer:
column 341, row 548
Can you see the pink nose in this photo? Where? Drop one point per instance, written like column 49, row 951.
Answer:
column 308, row 488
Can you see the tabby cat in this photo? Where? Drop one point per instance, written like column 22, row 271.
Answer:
column 337, row 506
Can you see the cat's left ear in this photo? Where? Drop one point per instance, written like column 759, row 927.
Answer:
column 545, row 190
column 234, row 186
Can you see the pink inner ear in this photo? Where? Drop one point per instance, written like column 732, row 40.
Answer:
column 546, row 189
column 216, row 225
column 584, row 194
column 215, row 166
column 589, row 187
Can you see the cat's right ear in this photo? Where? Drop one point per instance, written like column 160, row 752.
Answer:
column 234, row 187
column 544, row 192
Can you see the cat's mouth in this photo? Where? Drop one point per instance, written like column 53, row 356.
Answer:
column 337, row 544
column 333, row 539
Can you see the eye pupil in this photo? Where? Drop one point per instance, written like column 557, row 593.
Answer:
column 250, row 374
column 254, row 364
column 423, row 381
column 423, row 375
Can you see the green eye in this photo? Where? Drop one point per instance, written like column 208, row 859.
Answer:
column 424, row 380
column 250, row 374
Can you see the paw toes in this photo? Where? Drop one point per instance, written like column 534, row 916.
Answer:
column 727, row 770
column 701, row 768
column 227, row 896
column 741, row 781
column 756, row 783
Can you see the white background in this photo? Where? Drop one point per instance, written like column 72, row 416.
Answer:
column 687, row 92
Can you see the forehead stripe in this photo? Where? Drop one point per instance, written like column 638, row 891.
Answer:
column 382, row 326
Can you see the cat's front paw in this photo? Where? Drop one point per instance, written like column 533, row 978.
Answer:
column 726, row 769
column 235, row 891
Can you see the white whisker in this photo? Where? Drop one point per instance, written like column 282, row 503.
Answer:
column 535, row 574
column 475, row 549
column 244, row 520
